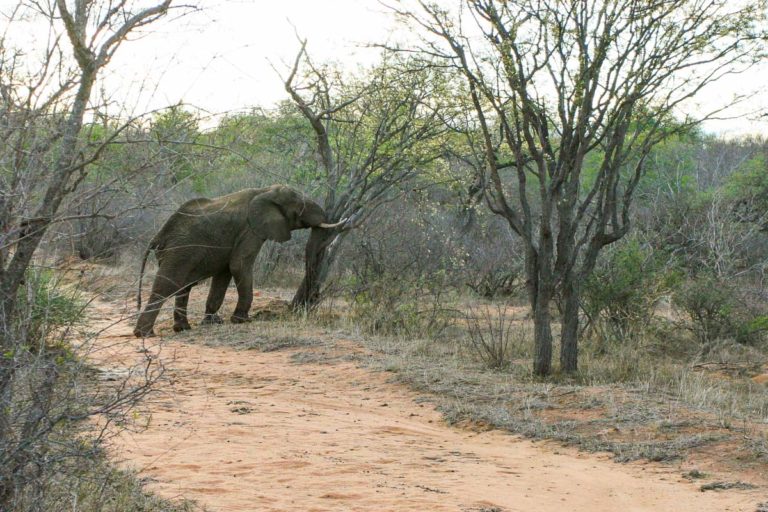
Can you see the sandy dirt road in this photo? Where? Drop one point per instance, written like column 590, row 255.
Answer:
column 254, row 431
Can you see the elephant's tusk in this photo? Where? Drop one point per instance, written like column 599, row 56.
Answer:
column 329, row 226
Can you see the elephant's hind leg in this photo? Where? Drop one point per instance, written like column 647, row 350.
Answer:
column 161, row 290
column 180, row 321
column 219, row 285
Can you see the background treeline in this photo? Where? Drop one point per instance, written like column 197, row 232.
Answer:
column 699, row 245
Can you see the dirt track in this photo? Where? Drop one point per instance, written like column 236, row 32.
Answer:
column 253, row 431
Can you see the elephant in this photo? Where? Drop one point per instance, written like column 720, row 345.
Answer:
column 220, row 238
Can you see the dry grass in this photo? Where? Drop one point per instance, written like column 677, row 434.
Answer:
column 102, row 488
column 619, row 403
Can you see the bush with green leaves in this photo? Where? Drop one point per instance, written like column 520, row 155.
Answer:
column 718, row 310
column 620, row 297
column 44, row 305
column 414, row 306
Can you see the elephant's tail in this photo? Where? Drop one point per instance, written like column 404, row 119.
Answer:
column 150, row 247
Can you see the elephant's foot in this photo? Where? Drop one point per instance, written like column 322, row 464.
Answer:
column 181, row 326
column 239, row 318
column 211, row 319
column 142, row 333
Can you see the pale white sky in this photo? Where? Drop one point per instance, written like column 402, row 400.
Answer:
column 218, row 58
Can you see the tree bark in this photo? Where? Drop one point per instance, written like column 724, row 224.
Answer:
column 540, row 296
column 30, row 436
column 542, row 337
column 569, row 333
column 319, row 255
column 26, row 246
column 13, row 276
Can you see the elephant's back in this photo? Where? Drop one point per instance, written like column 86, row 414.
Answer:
column 178, row 224
column 235, row 203
column 194, row 205
column 213, row 224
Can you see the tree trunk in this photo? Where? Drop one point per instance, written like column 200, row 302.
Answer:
column 14, row 274
column 319, row 255
column 31, row 237
column 569, row 335
column 7, row 373
column 542, row 337
column 539, row 295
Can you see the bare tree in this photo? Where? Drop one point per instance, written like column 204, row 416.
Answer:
column 373, row 135
column 44, row 157
column 569, row 98
column 58, row 156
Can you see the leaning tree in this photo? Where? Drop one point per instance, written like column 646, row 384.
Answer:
column 373, row 134
column 568, row 99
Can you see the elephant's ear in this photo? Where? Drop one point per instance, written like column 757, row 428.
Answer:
column 266, row 219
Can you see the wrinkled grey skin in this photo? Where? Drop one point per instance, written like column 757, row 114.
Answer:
column 220, row 238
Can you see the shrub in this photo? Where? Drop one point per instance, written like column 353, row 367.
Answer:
column 718, row 310
column 621, row 295
column 493, row 336
column 497, row 282
column 45, row 306
column 48, row 389
column 403, row 305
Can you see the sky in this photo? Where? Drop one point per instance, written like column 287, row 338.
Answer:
column 228, row 55
column 223, row 56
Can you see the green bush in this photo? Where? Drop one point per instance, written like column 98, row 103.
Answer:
column 718, row 310
column 402, row 305
column 623, row 291
column 45, row 306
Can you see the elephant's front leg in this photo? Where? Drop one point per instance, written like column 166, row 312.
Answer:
column 241, row 267
column 244, row 283
column 180, row 321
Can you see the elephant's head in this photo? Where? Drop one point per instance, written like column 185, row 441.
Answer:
column 279, row 210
